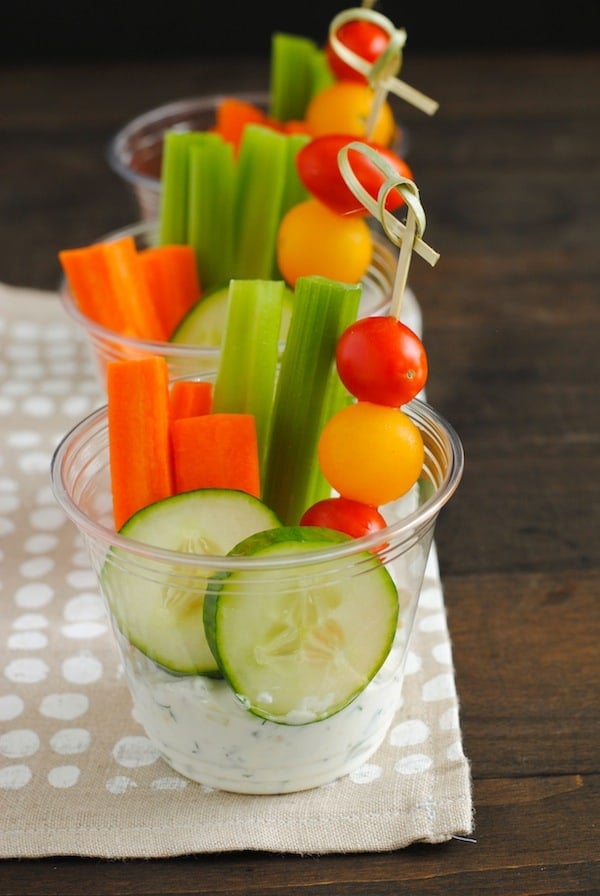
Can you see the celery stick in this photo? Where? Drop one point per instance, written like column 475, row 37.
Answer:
column 211, row 208
column 245, row 380
column 262, row 168
column 321, row 74
column 294, row 190
column 336, row 397
column 291, row 75
column 175, row 186
column 308, row 393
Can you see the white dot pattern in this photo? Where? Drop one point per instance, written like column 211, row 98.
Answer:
column 45, row 381
column 67, row 728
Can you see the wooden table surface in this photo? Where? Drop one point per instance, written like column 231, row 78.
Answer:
column 509, row 176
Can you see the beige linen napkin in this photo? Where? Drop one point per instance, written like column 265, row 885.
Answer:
column 77, row 774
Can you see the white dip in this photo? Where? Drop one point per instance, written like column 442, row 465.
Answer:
column 204, row 732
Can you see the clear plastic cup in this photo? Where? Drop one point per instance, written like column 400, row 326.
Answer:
column 187, row 360
column 199, row 724
column 135, row 151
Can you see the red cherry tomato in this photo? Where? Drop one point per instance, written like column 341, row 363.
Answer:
column 380, row 359
column 365, row 39
column 352, row 517
column 319, row 171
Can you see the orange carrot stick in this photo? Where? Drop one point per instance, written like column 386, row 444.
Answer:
column 88, row 278
column 172, row 275
column 216, row 451
column 139, row 436
column 295, row 126
column 190, row 398
column 232, row 116
column 131, row 292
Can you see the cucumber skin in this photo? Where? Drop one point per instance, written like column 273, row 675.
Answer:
column 264, row 543
column 317, row 535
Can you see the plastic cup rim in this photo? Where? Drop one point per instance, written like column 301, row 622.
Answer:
column 400, row 530
column 203, row 103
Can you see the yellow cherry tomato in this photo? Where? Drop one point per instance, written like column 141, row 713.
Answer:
column 371, row 453
column 314, row 240
column 344, row 108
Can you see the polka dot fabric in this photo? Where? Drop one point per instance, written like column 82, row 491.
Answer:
column 77, row 774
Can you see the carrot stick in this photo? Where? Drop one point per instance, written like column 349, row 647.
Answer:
column 216, row 451
column 190, row 398
column 87, row 275
column 138, row 434
column 131, row 292
column 232, row 116
column 297, row 127
column 172, row 276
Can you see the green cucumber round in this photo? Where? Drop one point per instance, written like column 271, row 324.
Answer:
column 159, row 608
column 204, row 323
column 298, row 644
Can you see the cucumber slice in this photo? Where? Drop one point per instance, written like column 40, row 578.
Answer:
column 204, row 323
column 158, row 606
column 298, row 643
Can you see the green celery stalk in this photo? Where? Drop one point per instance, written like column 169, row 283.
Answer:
column 175, row 186
column 321, row 74
column 336, row 397
column 211, row 197
column 245, row 381
column 294, row 190
column 262, row 169
column 291, row 75
column 308, row 393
